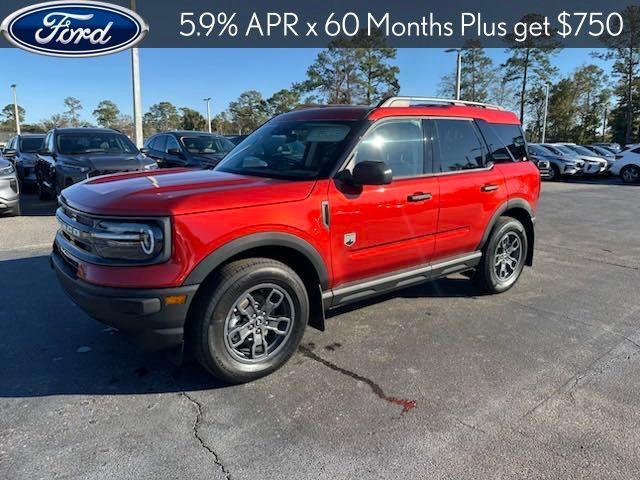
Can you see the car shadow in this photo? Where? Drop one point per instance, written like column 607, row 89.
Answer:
column 32, row 206
column 51, row 347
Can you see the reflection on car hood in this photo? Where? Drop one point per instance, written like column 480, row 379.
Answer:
column 26, row 158
column 180, row 191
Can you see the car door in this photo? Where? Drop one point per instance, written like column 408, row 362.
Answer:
column 376, row 230
column 471, row 188
column 155, row 146
column 173, row 156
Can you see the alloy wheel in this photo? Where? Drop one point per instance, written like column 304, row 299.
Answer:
column 631, row 174
column 259, row 323
column 508, row 256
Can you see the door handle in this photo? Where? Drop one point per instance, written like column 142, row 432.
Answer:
column 419, row 197
column 490, row 187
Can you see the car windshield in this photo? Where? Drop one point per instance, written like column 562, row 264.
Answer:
column 563, row 150
column 602, row 151
column 290, row 149
column 206, row 144
column 94, row 142
column 31, row 144
column 581, row 150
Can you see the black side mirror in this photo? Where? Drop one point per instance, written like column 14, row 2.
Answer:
column 9, row 153
column 175, row 151
column 371, row 172
column 144, row 150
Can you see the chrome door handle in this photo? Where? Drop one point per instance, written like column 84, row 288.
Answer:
column 419, row 197
column 490, row 187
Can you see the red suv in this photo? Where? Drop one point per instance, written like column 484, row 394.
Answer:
column 318, row 208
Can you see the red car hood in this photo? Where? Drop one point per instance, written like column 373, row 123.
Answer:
column 179, row 191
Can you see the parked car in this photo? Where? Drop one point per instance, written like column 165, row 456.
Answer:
column 21, row 150
column 187, row 149
column 9, row 189
column 70, row 155
column 569, row 163
column 612, row 147
column 627, row 165
column 602, row 152
column 559, row 165
column 322, row 207
column 593, row 164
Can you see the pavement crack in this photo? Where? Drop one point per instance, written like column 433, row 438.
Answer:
column 468, row 425
column 375, row 388
column 196, row 434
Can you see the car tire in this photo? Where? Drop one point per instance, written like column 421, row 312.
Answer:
column 554, row 173
column 226, row 328
column 630, row 174
column 500, row 268
column 43, row 194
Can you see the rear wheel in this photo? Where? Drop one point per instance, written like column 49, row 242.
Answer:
column 503, row 257
column 630, row 174
column 249, row 320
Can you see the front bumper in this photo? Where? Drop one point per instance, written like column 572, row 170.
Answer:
column 143, row 313
column 9, row 194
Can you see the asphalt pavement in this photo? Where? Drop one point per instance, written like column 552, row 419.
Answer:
column 434, row 382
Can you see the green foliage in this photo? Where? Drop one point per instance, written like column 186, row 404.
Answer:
column 106, row 114
column 72, row 113
column 249, row 111
column 161, row 117
column 192, row 120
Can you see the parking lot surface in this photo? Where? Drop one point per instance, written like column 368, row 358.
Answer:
column 432, row 382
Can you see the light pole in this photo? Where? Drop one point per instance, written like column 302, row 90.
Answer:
column 137, row 101
column 208, row 100
column 458, row 68
column 546, row 109
column 15, row 108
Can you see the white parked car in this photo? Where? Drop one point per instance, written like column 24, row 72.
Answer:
column 593, row 164
column 627, row 165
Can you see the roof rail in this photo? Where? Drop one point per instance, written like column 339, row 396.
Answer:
column 422, row 101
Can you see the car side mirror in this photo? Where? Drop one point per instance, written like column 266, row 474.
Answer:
column 10, row 153
column 175, row 151
column 144, row 150
column 44, row 151
column 370, row 172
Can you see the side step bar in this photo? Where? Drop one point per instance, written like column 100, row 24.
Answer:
column 376, row 286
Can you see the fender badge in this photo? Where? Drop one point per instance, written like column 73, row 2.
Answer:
column 349, row 239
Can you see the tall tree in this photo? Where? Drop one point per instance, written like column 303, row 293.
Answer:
column 249, row 111
column 106, row 114
column 8, row 114
column 624, row 49
column 73, row 110
column 192, row 119
column 379, row 78
column 530, row 60
column 477, row 75
column 283, row 101
column 55, row 121
column 161, row 117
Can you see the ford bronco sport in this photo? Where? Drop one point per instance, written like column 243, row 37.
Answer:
column 318, row 208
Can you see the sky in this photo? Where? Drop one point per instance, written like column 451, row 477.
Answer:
column 185, row 76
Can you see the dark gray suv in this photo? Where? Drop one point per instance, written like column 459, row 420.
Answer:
column 188, row 149
column 21, row 151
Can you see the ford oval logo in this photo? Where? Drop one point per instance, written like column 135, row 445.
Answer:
column 74, row 29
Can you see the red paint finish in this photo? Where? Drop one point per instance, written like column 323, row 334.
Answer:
column 209, row 209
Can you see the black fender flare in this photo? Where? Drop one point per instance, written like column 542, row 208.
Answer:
column 251, row 241
column 510, row 204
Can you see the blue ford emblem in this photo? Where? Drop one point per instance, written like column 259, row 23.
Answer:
column 74, row 29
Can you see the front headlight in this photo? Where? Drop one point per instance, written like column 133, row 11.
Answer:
column 127, row 240
column 8, row 170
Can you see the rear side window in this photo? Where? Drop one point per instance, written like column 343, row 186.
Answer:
column 513, row 137
column 458, row 145
column 635, row 150
column 172, row 144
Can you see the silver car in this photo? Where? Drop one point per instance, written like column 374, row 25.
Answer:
column 593, row 164
column 560, row 165
column 9, row 190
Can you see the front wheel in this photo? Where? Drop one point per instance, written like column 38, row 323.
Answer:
column 630, row 174
column 503, row 257
column 249, row 319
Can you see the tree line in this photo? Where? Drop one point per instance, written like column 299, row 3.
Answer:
column 583, row 106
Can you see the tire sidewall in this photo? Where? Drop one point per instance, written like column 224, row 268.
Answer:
column 226, row 294
column 626, row 169
column 510, row 225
